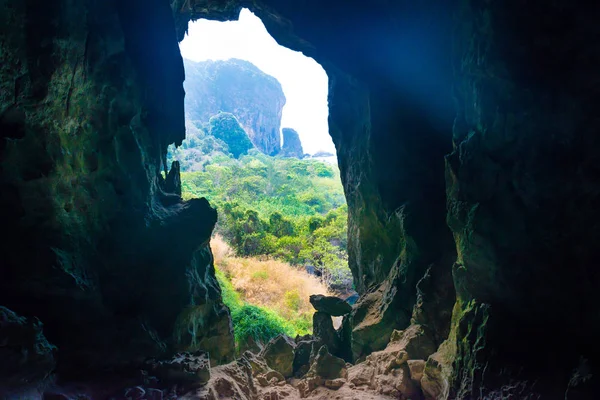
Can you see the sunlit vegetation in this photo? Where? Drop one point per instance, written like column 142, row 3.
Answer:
column 289, row 209
column 279, row 219
column 266, row 297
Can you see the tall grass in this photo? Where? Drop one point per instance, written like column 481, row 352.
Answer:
column 266, row 297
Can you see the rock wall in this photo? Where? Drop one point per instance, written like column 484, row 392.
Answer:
column 292, row 146
column 115, row 268
column 522, row 200
column 236, row 87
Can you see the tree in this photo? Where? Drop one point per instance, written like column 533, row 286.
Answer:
column 225, row 126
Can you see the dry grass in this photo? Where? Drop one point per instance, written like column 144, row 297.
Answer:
column 268, row 283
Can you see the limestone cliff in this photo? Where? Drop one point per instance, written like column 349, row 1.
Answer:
column 237, row 87
column 292, row 147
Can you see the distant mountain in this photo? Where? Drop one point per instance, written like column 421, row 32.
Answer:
column 240, row 88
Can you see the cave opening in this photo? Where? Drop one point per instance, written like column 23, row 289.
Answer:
column 258, row 148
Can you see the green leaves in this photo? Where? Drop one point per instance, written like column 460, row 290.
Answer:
column 280, row 207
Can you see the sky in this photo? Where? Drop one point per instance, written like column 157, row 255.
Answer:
column 303, row 80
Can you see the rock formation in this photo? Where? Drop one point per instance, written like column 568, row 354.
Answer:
column 240, row 88
column 473, row 214
column 292, row 147
column 332, row 305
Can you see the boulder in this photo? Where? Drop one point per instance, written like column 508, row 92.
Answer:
column 416, row 368
column 259, row 366
column 415, row 340
column 361, row 374
column 229, row 381
column 279, row 355
column 183, row 368
column 330, row 304
column 397, row 384
column 327, row 366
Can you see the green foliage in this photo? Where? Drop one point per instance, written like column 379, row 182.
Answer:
column 286, row 208
column 231, row 298
column 225, row 127
column 292, row 300
column 259, row 323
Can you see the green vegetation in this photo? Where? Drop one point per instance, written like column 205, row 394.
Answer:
column 225, row 126
column 278, row 215
column 250, row 321
column 290, row 209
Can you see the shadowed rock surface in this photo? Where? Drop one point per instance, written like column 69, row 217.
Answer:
column 475, row 219
column 292, row 147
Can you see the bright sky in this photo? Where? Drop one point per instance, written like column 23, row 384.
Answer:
column 303, row 80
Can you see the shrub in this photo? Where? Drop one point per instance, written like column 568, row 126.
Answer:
column 292, row 300
column 259, row 323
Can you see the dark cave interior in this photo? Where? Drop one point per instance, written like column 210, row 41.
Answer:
column 466, row 133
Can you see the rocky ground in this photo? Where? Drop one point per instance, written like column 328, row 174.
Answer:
column 305, row 367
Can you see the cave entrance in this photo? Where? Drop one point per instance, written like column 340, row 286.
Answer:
column 258, row 148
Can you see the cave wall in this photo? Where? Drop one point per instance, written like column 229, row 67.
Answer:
column 523, row 200
column 118, row 269
column 115, row 268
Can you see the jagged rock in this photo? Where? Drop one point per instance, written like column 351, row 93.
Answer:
column 334, row 384
column 183, row 368
column 417, row 367
column 279, row 355
column 240, row 88
column 292, row 147
column 302, row 355
column 361, row 374
column 324, row 332
column 26, row 355
column 435, row 383
column 397, row 384
column 233, row 380
column 415, row 340
column 308, row 384
column 330, row 305
column 303, row 338
column 327, row 366
column 373, row 320
column 258, row 365
column 173, row 180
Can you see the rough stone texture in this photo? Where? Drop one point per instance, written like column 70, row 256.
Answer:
column 229, row 381
column 117, row 268
column 183, row 368
column 327, row 366
column 331, row 305
column 114, row 266
column 302, row 354
column 324, row 333
column 279, row 355
column 240, row 88
column 523, row 198
column 292, row 147
column 27, row 357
